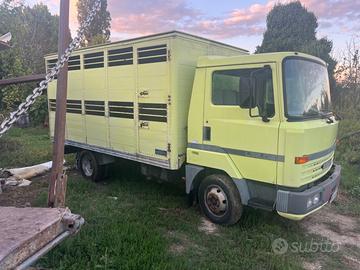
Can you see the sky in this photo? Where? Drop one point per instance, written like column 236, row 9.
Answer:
column 236, row 22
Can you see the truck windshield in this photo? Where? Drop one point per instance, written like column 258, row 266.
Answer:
column 306, row 86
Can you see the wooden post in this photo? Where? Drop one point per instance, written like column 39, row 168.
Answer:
column 58, row 180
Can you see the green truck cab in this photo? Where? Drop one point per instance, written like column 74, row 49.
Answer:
column 244, row 130
column 264, row 122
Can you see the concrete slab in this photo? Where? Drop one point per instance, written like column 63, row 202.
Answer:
column 24, row 231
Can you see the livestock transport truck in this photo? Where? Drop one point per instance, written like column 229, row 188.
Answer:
column 245, row 130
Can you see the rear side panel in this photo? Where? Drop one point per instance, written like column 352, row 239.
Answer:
column 131, row 99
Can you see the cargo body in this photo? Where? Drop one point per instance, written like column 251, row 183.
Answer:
column 131, row 99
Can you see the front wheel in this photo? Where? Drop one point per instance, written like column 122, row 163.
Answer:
column 220, row 200
column 90, row 167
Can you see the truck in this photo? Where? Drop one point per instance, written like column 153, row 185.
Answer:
column 243, row 129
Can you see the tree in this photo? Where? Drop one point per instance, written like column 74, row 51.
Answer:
column 347, row 75
column 34, row 34
column 291, row 27
column 99, row 30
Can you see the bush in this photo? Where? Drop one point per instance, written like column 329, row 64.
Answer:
column 348, row 150
column 39, row 111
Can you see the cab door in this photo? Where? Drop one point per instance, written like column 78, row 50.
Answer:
column 251, row 143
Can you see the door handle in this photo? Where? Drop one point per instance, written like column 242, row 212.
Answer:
column 206, row 133
column 144, row 125
column 144, row 93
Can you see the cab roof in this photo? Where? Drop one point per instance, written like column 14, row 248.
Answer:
column 209, row 61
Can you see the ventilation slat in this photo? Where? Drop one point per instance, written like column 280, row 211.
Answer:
column 152, row 118
column 161, row 52
column 51, row 63
column 121, row 109
column 153, row 105
column 73, row 106
column 127, row 56
column 94, row 60
column 152, row 54
column 95, row 107
column 121, row 103
column 52, row 105
column 122, row 50
column 120, row 57
column 121, row 115
column 152, row 47
column 156, row 112
column 120, row 63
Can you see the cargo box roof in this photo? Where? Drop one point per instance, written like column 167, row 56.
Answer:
column 157, row 36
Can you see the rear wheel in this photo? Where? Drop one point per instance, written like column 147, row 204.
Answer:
column 219, row 199
column 90, row 167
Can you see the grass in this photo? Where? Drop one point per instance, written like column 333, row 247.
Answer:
column 348, row 156
column 134, row 223
column 24, row 147
column 149, row 226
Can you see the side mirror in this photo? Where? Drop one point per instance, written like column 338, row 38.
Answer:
column 258, row 79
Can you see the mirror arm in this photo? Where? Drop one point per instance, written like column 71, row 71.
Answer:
column 265, row 119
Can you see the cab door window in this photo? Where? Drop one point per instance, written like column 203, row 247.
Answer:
column 232, row 87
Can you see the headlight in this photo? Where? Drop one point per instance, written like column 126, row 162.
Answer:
column 309, row 203
column 316, row 199
column 312, row 201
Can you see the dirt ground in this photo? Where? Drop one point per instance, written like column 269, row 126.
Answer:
column 342, row 230
column 24, row 196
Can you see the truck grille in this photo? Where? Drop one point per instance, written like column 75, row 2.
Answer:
column 317, row 168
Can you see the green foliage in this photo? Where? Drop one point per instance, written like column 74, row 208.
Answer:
column 347, row 103
column 34, row 30
column 291, row 27
column 39, row 111
column 349, row 148
column 99, row 30
column 34, row 34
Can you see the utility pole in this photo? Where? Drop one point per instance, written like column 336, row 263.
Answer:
column 58, row 179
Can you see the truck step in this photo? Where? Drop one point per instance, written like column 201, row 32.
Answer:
column 261, row 204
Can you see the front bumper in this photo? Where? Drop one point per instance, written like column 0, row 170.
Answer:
column 294, row 205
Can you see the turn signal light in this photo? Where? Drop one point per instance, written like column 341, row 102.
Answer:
column 301, row 160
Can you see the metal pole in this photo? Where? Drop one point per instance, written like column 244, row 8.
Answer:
column 58, row 179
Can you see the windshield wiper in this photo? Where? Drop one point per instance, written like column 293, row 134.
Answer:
column 324, row 114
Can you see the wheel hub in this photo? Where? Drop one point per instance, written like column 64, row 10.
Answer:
column 216, row 200
column 87, row 167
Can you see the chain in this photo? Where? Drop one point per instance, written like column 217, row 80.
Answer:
column 51, row 73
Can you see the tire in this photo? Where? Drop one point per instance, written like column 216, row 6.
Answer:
column 220, row 200
column 90, row 167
